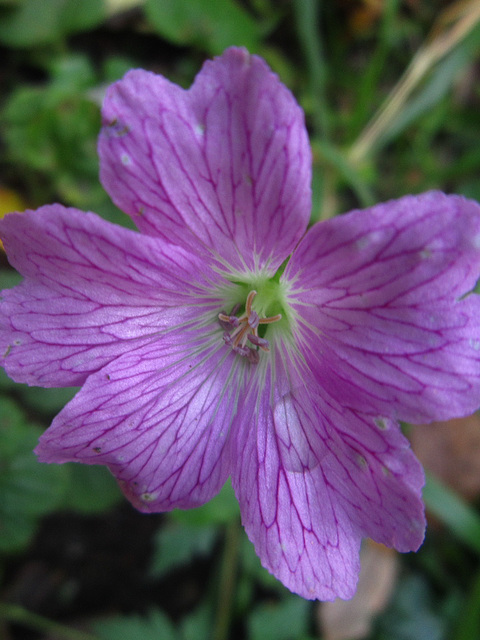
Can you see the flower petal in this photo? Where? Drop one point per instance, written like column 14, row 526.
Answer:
column 380, row 293
column 307, row 524
column 159, row 417
column 92, row 291
column 225, row 164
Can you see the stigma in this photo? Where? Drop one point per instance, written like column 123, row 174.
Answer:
column 241, row 333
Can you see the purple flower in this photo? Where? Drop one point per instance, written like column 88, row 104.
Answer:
column 203, row 354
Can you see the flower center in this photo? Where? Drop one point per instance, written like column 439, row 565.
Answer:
column 240, row 330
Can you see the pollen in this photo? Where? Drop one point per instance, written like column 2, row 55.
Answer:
column 241, row 333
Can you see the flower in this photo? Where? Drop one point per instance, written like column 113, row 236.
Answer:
column 203, row 352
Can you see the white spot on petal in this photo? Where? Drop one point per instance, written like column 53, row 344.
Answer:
column 372, row 238
column 382, row 423
column 475, row 344
column 362, row 462
column 126, row 160
column 148, row 497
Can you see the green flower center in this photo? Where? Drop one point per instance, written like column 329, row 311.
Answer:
column 255, row 306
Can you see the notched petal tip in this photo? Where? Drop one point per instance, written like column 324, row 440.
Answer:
column 225, row 164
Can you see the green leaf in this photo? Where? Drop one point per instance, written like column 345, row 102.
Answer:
column 468, row 623
column 90, row 489
column 212, row 25
column 5, row 382
column 32, row 23
column 71, row 74
column 176, row 545
column 283, row 620
column 16, row 530
column 220, row 510
column 9, row 279
column 454, row 512
column 51, row 135
column 155, row 626
column 47, row 401
column 198, row 624
column 28, row 489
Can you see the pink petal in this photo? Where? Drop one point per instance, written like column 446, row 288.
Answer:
column 159, row 417
column 381, row 295
column 225, row 164
column 307, row 524
column 92, row 291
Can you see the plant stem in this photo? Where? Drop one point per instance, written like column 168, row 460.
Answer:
column 226, row 587
column 20, row 615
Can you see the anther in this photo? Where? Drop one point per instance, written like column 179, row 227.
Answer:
column 258, row 341
column 245, row 329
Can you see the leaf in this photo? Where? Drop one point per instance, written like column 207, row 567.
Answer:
column 283, row 620
column 468, row 623
column 198, row 624
column 222, row 509
column 212, row 25
column 176, row 545
column 5, row 382
column 155, row 626
column 9, row 279
column 90, row 489
column 32, row 23
column 51, row 134
column 28, row 489
column 449, row 507
column 47, row 401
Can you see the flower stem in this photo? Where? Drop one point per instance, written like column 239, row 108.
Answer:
column 19, row 615
column 226, row 587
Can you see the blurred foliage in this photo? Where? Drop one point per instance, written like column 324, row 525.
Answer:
column 153, row 626
column 413, row 614
column 212, row 25
column 391, row 95
column 29, row 23
column 28, row 489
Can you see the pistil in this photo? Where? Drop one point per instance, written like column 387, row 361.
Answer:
column 245, row 328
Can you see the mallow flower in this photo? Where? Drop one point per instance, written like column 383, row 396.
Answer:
column 224, row 339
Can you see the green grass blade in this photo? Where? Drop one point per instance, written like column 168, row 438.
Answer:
column 454, row 512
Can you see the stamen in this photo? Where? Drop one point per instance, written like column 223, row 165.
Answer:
column 253, row 319
column 258, row 341
column 245, row 328
column 227, row 322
